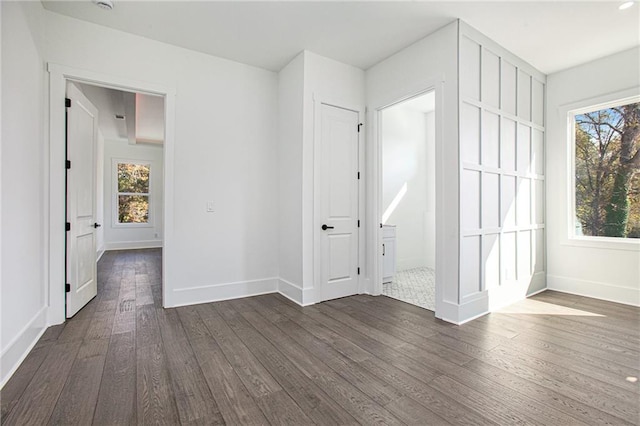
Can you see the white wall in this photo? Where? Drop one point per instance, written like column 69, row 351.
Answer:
column 290, row 115
column 605, row 270
column 502, row 176
column 325, row 80
column 24, row 295
column 404, row 163
column 305, row 82
column 117, row 236
column 431, row 190
column 100, row 194
column 429, row 63
column 225, row 152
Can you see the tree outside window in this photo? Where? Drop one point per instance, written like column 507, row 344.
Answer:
column 133, row 192
column 607, row 172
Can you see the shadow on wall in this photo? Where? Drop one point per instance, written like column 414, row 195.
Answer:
column 408, row 173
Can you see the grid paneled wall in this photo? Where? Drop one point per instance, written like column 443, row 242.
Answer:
column 502, row 172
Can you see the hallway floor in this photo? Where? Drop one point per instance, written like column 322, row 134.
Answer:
column 553, row 359
column 416, row 286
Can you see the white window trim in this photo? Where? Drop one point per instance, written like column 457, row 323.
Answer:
column 570, row 111
column 115, row 193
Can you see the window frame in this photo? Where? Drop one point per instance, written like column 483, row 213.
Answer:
column 116, row 193
column 590, row 105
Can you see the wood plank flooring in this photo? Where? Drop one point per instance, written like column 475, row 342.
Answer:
column 554, row 359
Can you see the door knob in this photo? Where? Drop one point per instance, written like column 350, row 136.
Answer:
column 325, row 227
column 96, row 225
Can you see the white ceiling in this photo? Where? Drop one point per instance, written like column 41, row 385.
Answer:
column 109, row 102
column 550, row 35
column 143, row 114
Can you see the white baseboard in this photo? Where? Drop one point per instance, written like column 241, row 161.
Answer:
column 473, row 307
column 99, row 253
column 219, row 292
column 132, row 245
column 366, row 286
column 18, row 349
column 290, row 290
column 479, row 304
column 295, row 293
column 237, row 290
column 538, row 283
column 595, row 289
column 310, row 296
column 465, row 312
column 537, row 292
column 447, row 311
column 515, row 291
column 411, row 263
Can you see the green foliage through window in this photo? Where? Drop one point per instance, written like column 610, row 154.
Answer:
column 607, row 172
column 133, row 193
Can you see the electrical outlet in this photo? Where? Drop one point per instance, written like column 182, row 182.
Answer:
column 210, row 208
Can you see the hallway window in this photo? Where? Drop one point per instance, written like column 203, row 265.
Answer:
column 132, row 198
column 607, row 170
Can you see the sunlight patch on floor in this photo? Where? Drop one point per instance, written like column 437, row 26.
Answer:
column 536, row 307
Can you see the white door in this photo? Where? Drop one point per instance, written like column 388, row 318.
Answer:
column 82, row 136
column 338, row 202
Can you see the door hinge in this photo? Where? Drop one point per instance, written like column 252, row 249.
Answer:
column 380, row 225
column 67, row 288
column 358, row 223
column 359, row 125
column 68, row 226
column 68, row 164
column 358, row 270
column 67, row 102
column 358, row 175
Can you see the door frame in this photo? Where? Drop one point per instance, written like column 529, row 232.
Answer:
column 318, row 101
column 374, row 230
column 55, row 199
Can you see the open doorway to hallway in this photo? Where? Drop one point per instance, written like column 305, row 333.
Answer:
column 408, row 200
column 122, row 184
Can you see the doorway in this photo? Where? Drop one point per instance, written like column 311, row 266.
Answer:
column 117, row 172
column 59, row 76
column 408, row 196
column 338, row 201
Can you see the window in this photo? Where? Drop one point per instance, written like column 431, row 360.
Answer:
column 132, row 197
column 607, row 170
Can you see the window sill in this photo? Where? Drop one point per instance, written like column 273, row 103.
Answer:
column 132, row 225
column 608, row 243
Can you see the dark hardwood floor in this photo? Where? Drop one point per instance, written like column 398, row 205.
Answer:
column 554, row 359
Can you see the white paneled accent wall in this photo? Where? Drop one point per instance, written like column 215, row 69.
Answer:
column 501, row 124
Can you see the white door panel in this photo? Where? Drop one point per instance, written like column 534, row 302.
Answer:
column 82, row 136
column 339, row 202
column 340, row 266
